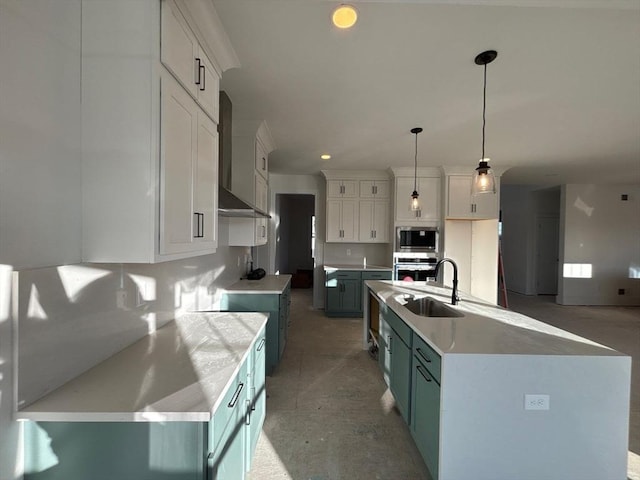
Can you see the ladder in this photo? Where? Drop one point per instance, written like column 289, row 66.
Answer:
column 502, row 286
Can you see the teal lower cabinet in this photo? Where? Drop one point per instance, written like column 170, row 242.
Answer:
column 220, row 449
column 425, row 404
column 114, row 450
column 257, row 406
column 384, row 337
column 277, row 306
column 343, row 294
column 344, row 290
column 398, row 345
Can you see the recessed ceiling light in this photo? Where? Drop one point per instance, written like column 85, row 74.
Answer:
column 325, row 156
column 345, row 16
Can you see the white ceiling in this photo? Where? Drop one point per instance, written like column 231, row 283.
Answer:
column 563, row 96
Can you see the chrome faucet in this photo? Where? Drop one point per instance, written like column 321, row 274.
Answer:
column 454, row 293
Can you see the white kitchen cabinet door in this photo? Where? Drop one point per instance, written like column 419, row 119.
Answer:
column 374, row 189
column 342, row 188
column 262, row 160
column 179, row 47
column 342, row 224
column 188, row 150
column 179, row 137
column 374, row 221
column 206, row 183
column 463, row 205
column 262, row 201
column 429, row 198
column 208, row 85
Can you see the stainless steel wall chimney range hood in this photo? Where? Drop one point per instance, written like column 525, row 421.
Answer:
column 231, row 206
column 228, row 204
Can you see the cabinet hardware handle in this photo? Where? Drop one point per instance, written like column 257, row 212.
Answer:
column 374, row 189
column 204, row 76
column 236, row 396
column 198, row 67
column 247, row 417
column 202, row 225
column 389, row 340
column 425, row 375
column 264, row 231
column 423, row 355
column 264, row 164
column 253, row 399
column 260, row 345
column 372, row 234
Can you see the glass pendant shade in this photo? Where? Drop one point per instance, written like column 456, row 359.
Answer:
column 483, row 180
column 415, row 205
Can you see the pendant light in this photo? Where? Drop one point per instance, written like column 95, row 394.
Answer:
column 415, row 205
column 483, row 180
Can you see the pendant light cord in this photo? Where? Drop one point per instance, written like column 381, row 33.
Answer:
column 415, row 170
column 484, row 108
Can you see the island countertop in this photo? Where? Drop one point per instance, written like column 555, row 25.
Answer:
column 178, row 373
column 484, row 328
column 275, row 284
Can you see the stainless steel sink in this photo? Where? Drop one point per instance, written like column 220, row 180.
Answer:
column 430, row 307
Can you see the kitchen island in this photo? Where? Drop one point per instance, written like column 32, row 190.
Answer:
column 491, row 394
column 185, row 402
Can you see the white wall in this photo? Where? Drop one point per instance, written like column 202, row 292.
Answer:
column 601, row 232
column 66, row 312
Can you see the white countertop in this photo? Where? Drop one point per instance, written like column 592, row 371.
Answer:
column 337, row 266
column 178, row 373
column 484, row 329
column 268, row 284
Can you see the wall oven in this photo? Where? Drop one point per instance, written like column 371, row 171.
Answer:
column 416, row 239
column 414, row 266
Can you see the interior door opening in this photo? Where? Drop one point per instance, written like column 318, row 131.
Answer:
column 295, row 247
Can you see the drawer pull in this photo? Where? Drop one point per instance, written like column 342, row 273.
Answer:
column 423, row 355
column 247, row 417
column 253, row 399
column 236, row 396
column 424, row 374
column 261, row 345
column 389, row 344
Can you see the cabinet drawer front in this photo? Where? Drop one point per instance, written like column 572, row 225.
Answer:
column 381, row 275
column 232, row 408
column 343, row 275
column 427, row 356
column 398, row 325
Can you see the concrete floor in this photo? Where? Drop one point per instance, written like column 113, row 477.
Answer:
column 331, row 417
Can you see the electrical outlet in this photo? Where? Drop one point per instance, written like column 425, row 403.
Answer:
column 621, row 291
column 536, row 402
column 348, row 252
column 121, row 298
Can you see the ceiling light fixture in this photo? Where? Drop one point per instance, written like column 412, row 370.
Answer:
column 345, row 16
column 415, row 205
column 325, row 156
column 483, row 180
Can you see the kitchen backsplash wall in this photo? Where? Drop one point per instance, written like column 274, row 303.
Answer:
column 357, row 254
column 71, row 317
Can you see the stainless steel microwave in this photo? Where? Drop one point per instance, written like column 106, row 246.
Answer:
column 416, row 239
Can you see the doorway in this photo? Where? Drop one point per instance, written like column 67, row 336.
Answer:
column 547, row 240
column 295, row 233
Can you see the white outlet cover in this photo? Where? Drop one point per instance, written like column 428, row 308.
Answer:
column 536, row 401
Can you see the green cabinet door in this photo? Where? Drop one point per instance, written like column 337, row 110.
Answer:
column 400, row 378
column 343, row 293
column 384, row 359
column 257, row 405
column 228, row 461
column 425, row 415
column 114, row 450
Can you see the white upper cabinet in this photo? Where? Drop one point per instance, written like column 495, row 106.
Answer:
column 374, row 188
column 262, row 160
column 149, row 150
column 429, row 199
column 463, row 205
column 342, row 220
column 374, row 221
column 342, row 188
column 182, row 55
